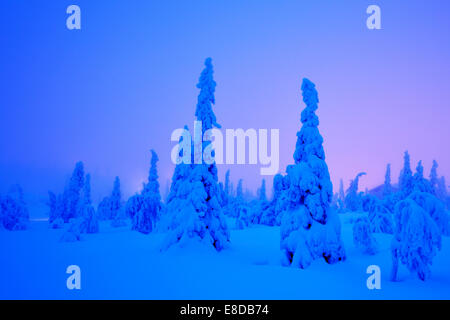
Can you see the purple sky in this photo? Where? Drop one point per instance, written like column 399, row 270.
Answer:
column 110, row 92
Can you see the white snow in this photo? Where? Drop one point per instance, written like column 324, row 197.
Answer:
column 118, row 263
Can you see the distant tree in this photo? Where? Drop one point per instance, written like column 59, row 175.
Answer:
column 73, row 192
column 14, row 211
column 419, row 182
column 405, row 180
column 434, row 177
column 272, row 215
column 149, row 202
column 115, row 202
column 87, row 211
column 241, row 211
column 262, row 191
column 227, row 187
column 104, row 209
column 115, row 199
column 52, row 205
column 353, row 200
column 387, row 188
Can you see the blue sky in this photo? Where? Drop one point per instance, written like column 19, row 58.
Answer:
column 108, row 93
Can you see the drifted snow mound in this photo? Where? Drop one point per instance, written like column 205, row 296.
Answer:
column 310, row 229
column 416, row 239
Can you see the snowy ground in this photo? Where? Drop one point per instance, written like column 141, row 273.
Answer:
column 121, row 264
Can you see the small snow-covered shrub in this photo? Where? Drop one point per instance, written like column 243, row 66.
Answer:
column 381, row 220
column 57, row 223
column 119, row 219
column 369, row 202
column 77, row 226
column 363, row 237
column 416, row 239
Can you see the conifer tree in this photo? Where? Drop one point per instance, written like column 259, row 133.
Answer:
column 434, row 177
column 310, row 229
column 387, row 188
column 195, row 202
column 149, row 202
column 76, row 183
column 405, row 180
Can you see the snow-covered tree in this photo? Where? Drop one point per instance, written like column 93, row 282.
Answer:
column 53, row 210
column 240, row 210
column 104, row 209
column 73, row 233
column 368, row 202
column 14, row 211
column 340, row 201
column 416, row 239
column 435, row 208
column 273, row 213
column 310, row 229
column 441, row 192
column 56, row 206
column 86, row 220
column 363, row 237
column 133, row 205
column 195, row 205
column 115, row 201
column 87, row 211
column 76, row 183
column 227, row 187
column 419, row 182
column 380, row 219
column 262, row 191
column 434, row 176
column 149, row 202
column 405, row 181
column 387, row 188
column 115, row 198
column 353, row 199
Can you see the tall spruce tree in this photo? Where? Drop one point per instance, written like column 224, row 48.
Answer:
column 310, row 229
column 195, row 206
